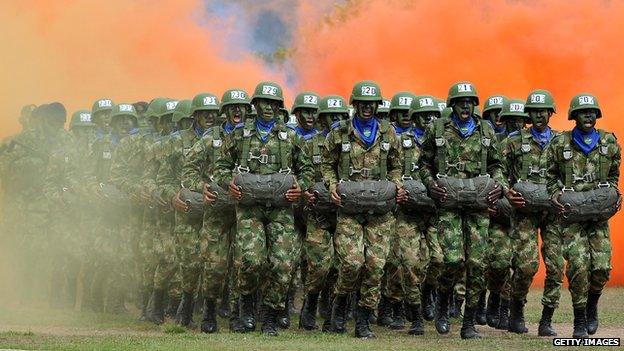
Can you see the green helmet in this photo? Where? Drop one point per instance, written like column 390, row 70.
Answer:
column 424, row 103
column 513, row 108
column 182, row 110
column 333, row 104
column 477, row 112
column 102, row 105
column 81, row 118
column 446, row 113
column 384, row 106
column 494, row 102
column 154, row 106
column 460, row 90
column 285, row 114
column 540, row 98
column 307, row 99
column 167, row 107
column 268, row 90
column 584, row 101
column 124, row 110
column 234, row 96
column 204, row 102
column 441, row 103
column 401, row 101
column 366, row 90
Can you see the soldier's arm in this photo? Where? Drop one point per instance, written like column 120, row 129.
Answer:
column 395, row 159
column 614, row 171
column 166, row 180
column 152, row 164
column 496, row 166
column 226, row 161
column 330, row 154
column 121, row 171
column 427, row 157
column 193, row 165
column 552, row 172
column 303, row 165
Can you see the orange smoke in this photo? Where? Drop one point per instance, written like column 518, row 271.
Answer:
column 511, row 47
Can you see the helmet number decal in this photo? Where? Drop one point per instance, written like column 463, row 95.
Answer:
column 238, row 95
column 126, row 108
column 586, row 100
column 85, row 117
column 269, row 90
column 369, row 90
column 425, row 102
column 464, row 88
column 210, row 100
column 171, row 105
column 385, row 104
column 105, row 103
column 334, row 103
column 310, row 99
column 405, row 100
column 441, row 106
column 538, row 99
column 495, row 100
column 516, row 107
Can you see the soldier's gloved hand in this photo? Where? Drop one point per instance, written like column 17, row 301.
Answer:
column 178, row 204
column 145, row 196
column 209, row 196
column 310, row 197
column 159, row 200
column 294, row 193
column 401, row 195
column 495, row 194
column 335, row 197
column 557, row 206
column 515, row 199
column 437, row 192
column 235, row 190
column 492, row 211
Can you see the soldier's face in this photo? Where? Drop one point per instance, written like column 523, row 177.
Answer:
column 236, row 113
column 102, row 118
column 267, row 109
column 424, row 120
column 206, row 119
column 402, row 118
column 306, row 117
column 494, row 117
column 185, row 123
column 463, row 108
column 365, row 109
column 166, row 124
column 514, row 123
column 122, row 124
column 586, row 119
column 153, row 121
column 540, row 118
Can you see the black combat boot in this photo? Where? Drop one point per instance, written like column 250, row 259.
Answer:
column 516, row 317
column 339, row 314
column 442, row 313
column 184, row 315
column 417, row 327
column 384, row 314
column 503, row 315
column 269, row 323
column 157, row 312
column 592, row 313
column 247, row 312
column 455, row 305
column 428, row 302
column 362, row 327
column 307, row 317
column 290, row 301
column 468, row 330
column 480, row 318
column 224, row 305
column 209, row 317
column 324, row 303
column 492, row 309
column 235, row 324
column 398, row 322
column 283, row 316
column 172, row 307
column 545, row 328
column 580, row 323
column 145, row 298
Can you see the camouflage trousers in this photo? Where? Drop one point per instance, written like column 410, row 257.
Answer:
column 436, row 256
column 267, row 247
column 525, row 260
column 191, row 263
column 408, row 259
column 216, row 234
column 166, row 256
column 498, row 272
column 148, row 259
column 586, row 248
column 362, row 244
column 463, row 238
column 318, row 247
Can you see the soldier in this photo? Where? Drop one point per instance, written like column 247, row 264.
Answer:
column 383, row 111
column 361, row 149
column 266, row 238
column 585, row 245
column 461, row 147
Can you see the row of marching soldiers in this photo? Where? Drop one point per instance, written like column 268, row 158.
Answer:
column 407, row 208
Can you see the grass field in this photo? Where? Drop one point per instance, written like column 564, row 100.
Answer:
column 68, row 330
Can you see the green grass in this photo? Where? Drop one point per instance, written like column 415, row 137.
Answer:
column 68, row 330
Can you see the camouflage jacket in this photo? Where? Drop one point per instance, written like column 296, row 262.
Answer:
column 101, row 158
column 64, row 181
column 199, row 163
column 313, row 149
column 128, row 164
column 346, row 157
column 566, row 160
column 245, row 151
column 173, row 152
column 411, row 147
column 23, row 162
column 524, row 158
column 462, row 157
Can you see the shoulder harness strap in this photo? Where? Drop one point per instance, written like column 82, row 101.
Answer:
column 567, row 157
column 384, row 149
column 440, row 142
column 345, row 152
column 486, row 142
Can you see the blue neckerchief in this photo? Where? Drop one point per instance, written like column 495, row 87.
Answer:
column 542, row 138
column 264, row 128
column 228, row 127
column 366, row 129
column 115, row 138
column 418, row 134
column 325, row 132
column 199, row 131
column 585, row 141
column 306, row 134
column 400, row 130
column 497, row 130
column 464, row 128
column 133, row 131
